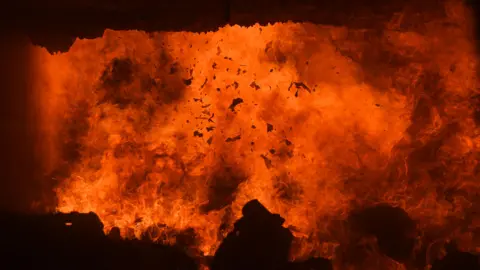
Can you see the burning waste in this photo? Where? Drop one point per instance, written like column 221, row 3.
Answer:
column 160, row 133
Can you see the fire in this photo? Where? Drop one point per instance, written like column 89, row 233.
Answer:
column 158, row 133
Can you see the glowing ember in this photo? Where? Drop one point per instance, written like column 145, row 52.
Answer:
column 158, row 133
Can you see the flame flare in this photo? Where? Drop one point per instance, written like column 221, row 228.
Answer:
column 164, row 132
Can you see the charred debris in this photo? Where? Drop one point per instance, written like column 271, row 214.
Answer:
column 258, row 240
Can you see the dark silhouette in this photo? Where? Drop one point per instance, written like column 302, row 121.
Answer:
column 77, row 241
column 259, row 241
column 374, row 237
column 456, row 259
column 392, row 227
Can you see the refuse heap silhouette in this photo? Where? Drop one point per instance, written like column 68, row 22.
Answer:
column 258, row 241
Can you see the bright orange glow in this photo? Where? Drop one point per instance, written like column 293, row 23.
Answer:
column 182, row 129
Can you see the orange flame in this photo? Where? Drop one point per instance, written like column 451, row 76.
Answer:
column 179, row 130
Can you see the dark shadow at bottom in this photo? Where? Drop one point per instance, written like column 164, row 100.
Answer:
column 258, row 241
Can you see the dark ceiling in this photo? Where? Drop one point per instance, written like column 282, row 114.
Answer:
column 55, row 23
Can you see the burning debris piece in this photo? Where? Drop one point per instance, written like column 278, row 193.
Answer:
column 232, row 139
column 235, row 102
column 269, row 127
column 268, row 162
column 298, row 86
column 255, row 86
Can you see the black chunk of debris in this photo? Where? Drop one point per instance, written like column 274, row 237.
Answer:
column 232, row 139
column 269, row 127
column 211, row 118
column 235, row 84
column 188, row 82
column 210, row 128
column 209, row 141
column 235, row 102
column 287, row 142
column 268, row 162
column 173, row 69
column 272, row 151
column 299, row 85
column 255, row 85
column 254, row 127
column 204, row 83
column 197, row 133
